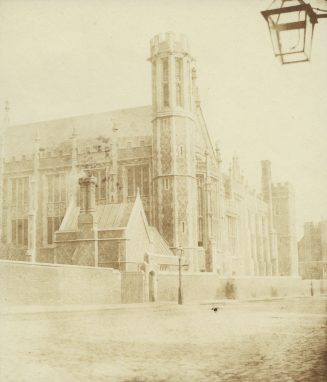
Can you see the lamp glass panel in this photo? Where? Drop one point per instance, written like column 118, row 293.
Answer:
column 291, row 40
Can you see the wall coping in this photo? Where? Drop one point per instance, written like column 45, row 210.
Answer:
column 50, row 265
column 184, row 274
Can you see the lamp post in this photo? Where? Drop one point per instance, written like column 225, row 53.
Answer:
column 180, row 294
column 291, row 27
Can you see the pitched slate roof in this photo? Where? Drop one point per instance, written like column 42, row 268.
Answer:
column 109, row 216
column 160, row 246
column 129, row 122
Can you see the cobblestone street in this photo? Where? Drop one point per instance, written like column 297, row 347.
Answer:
column 280, row 340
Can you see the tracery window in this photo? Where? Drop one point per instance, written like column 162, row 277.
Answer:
column 56, row 188
column 19, row 191
column 138, row 178
column 53, row 226
column 19, row 232
column 19, row 204
column 200, row 194
column 56, row 203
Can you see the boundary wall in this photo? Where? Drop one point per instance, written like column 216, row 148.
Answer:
column 210, row 287
column 23, row 283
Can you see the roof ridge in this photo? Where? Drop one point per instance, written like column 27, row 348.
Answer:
column 80, row 116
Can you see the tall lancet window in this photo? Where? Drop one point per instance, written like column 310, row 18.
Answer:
column 56, row 203
column 178, row 72
column 200, row 192
column 19, row 207
column 165, row 86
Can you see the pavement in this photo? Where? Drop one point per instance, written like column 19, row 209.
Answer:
column 32, row 309
column 276, row 340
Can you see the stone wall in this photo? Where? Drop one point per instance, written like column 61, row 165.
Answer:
column 208, row 287
column 133, row 287
column 47, row 284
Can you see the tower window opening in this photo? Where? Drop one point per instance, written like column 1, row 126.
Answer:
column 277, row 209
column 181, row 151
column 165, row 95
column 183, row 227
column 166, row 183
column 178, row 73
column 165, row 87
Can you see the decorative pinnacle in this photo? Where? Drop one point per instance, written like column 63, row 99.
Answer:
column 218, row 153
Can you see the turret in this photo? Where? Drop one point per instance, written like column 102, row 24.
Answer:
column 284, row 223
column 174, row 181
column 173, row 75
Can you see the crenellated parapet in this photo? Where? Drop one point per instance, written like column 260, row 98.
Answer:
column 169, row 43
column 282, row 188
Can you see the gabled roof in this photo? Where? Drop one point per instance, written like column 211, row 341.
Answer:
column 129, row 122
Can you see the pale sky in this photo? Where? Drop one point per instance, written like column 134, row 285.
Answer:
column 62, row 58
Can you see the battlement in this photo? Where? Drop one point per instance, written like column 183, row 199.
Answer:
column 43, row 154
column 282, row 187
column 22, row 158
column 169, row 42
column 91, row 147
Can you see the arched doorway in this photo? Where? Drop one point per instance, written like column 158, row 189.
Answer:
column 152, row 287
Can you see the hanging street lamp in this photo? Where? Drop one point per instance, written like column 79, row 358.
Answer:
column 291, row 27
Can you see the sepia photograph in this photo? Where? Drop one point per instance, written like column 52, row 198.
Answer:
column 163, row 190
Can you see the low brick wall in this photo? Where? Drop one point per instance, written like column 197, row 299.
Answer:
column 48, row 284
column 208, row 286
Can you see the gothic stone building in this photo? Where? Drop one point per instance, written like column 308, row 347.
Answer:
column 164, row 153
column 313, row 251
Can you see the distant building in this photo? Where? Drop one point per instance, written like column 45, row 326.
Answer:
column 164, row 153
column 313, row 251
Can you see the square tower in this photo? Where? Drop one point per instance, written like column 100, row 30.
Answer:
column 284, row 223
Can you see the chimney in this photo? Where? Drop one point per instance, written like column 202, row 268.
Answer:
column 87, row 234
column 87, row 192
column 87, row 217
